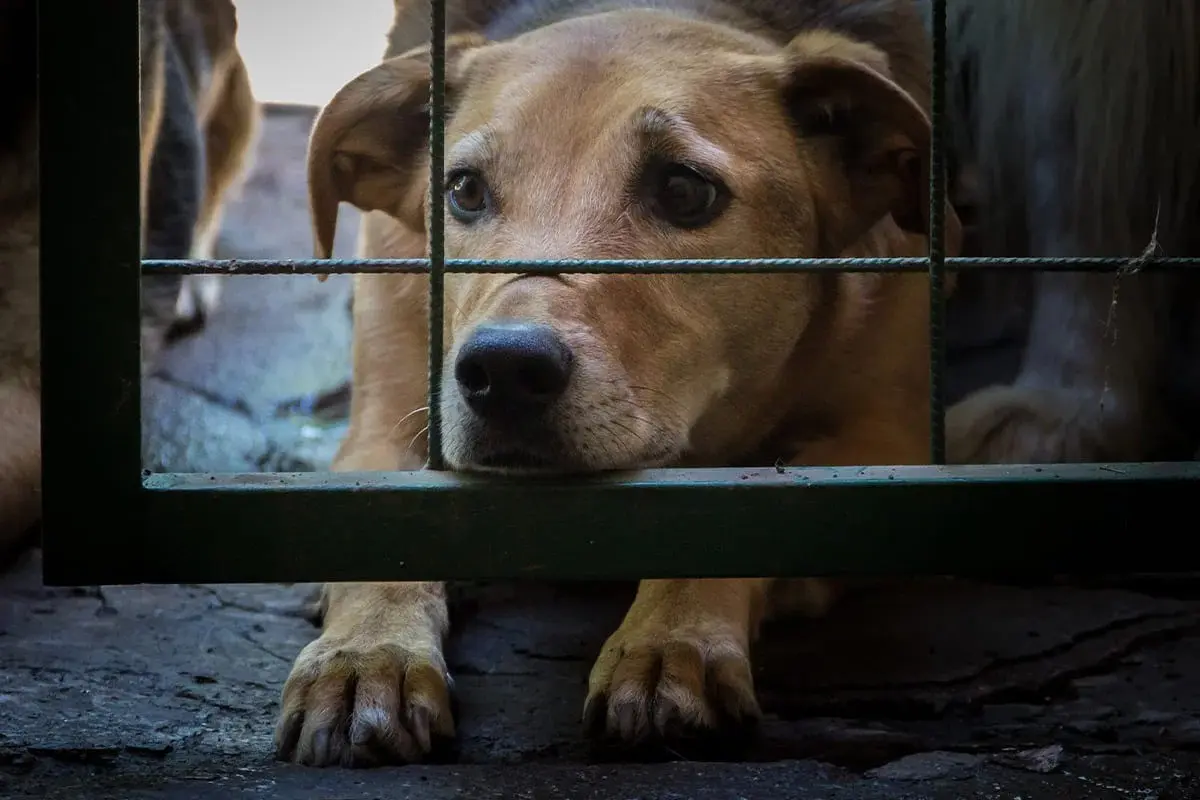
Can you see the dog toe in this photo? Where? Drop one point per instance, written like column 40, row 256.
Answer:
column 670, row 690
column 359, row 707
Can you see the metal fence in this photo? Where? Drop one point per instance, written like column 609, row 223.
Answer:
column 107, row 521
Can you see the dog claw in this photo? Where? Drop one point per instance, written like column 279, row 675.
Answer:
column 364, row 706
column 669, row 689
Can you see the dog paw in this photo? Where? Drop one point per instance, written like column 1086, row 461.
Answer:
column 652, row 684
column 355, row 704
column 1012, row 425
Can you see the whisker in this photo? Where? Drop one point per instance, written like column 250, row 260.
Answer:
column 649, row 423
column 413, row 440
column 639, row 438
column 658, row 393
column 672, row 419
column 651, row 390
column 408, row 416
column 454, row 311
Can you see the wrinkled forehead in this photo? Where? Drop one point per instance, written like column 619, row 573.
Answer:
column 616, row 84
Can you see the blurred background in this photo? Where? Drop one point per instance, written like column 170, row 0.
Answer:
column 302, row 51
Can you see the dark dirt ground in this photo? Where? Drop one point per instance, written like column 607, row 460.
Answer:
column 939, row 690
column 936, row 690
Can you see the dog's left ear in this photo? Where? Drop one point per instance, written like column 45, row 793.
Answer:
column 369, row 145
column 841, row 91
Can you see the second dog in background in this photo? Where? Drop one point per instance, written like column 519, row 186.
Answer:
column 199, row 126
column 1080, row 124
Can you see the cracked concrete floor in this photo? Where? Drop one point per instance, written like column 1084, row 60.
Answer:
column 930, row 690
column 171, row 691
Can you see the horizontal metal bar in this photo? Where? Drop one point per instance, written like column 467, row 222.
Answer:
column 314, row 266
column 964, row 520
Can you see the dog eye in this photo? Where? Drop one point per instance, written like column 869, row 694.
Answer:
column 468, row 196
column 683, row 197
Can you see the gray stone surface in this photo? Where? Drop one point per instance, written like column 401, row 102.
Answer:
column 233, row 396
column 185, row 431
column 1152, row 777
column 904, row 690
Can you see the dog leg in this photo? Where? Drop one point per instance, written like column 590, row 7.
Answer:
column 153, row 74
column 373, row 688
column 1090, row 372
column 230, row 136
column 174, row 191
column 229, row 139
column 1087, row 383
column 1096, row 80
column 680, row 661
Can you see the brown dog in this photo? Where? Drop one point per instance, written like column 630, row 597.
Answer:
column 639, row 130
column 1087, row 143
column 198, row 125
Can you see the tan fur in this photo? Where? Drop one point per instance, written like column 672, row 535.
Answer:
column 1088, row 144
column 230, row 133
column 152, row 41
column 231, row 118
column 669, row 370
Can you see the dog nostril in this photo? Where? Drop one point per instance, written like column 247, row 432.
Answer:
column 512, row 369
column 471, row 375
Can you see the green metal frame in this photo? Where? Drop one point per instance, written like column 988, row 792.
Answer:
column 107, row 521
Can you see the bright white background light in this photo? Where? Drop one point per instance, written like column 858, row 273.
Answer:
column 303, row 51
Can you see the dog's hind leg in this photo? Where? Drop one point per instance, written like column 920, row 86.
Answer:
column 152, row 36
column 1088, row 385
column 229, row 139
column 1053, row 131
column 174, row 195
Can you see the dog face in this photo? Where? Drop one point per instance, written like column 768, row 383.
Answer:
column 630, row 135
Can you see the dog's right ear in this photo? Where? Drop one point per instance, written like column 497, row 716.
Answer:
column 841, row 90
column 369, row 144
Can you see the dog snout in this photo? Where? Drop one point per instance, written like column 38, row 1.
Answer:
column 512, row 370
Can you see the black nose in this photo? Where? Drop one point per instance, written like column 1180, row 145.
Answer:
column 512, row 369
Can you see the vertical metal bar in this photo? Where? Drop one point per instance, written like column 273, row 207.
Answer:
column 90, row 248
column 937, row 246
column 437, row 242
